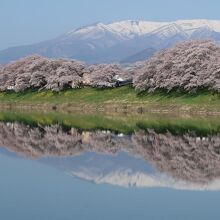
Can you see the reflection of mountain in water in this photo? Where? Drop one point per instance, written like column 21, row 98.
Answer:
column 123, row 170
column 181, row 161
column 120, row 169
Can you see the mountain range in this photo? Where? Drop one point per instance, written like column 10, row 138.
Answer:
column 125, row 41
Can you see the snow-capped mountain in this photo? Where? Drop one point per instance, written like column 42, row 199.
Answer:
column 126, row 30
column 117, row 41
column 123, row 30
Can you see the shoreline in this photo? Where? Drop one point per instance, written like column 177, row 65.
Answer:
column 122, row 99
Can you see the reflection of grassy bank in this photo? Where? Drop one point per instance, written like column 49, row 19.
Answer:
column 117, row 122
column 124, row 94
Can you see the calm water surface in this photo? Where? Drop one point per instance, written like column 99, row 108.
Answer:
column 55, row 172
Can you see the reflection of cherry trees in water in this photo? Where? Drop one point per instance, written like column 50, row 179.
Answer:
column 184, row 157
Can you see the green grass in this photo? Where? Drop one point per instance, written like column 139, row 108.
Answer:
column 126, row 124
column 124, row 94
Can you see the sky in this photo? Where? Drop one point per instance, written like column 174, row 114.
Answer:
column 30, row 21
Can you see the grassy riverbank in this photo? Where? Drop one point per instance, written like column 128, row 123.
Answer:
column 121, row 95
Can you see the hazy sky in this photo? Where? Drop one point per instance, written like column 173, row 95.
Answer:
column 30, row 21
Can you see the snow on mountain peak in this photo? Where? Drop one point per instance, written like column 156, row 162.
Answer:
column 132, row 28
column 169, row 30
column 124, row 29
column 191, row 25
column 128, row 29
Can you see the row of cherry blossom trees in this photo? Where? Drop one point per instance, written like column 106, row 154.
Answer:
column 43, row 73
column 187, row 66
